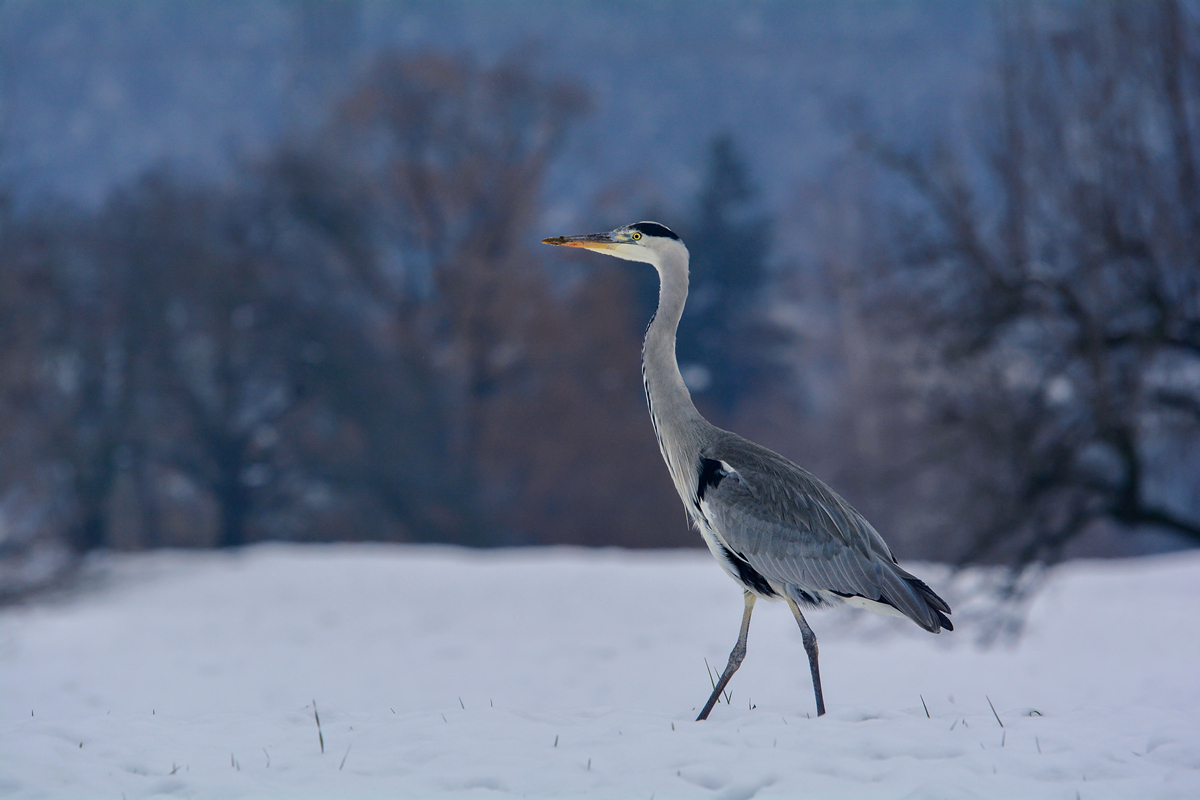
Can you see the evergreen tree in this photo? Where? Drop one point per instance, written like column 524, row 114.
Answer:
column 722, row 342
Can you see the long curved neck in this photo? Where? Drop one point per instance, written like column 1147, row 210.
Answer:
column 677, row 423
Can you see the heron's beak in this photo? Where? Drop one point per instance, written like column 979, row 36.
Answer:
column 590, row 241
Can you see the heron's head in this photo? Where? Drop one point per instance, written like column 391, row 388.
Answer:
column 641, row 241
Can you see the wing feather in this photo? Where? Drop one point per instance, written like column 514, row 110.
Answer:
column 795, row 530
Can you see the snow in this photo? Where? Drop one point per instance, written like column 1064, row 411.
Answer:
column 453, row 673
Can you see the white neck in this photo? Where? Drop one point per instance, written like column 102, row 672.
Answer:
column 676, row 420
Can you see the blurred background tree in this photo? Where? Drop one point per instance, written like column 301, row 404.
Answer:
column 975, row 313
column 727, row 349
column 1035, row 296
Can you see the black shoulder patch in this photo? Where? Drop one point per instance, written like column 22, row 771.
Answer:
column 711, row 475
column 654, row 229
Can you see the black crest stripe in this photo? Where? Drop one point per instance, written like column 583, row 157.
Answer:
column 654, row 229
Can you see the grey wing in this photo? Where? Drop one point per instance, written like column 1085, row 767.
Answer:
column 795, row 530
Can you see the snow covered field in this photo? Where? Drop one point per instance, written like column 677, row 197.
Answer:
column 438, row 671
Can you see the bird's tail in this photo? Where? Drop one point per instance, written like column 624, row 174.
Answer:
column 913, row 598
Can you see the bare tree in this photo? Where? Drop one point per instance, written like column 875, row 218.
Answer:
column 357, row 340
column 37, row 377
column 1051, row 279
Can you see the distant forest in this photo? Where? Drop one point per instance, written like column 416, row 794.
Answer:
column 989, row 341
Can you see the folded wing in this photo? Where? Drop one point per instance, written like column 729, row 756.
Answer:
column 796, row 531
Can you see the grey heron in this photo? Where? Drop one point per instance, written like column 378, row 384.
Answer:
column 776, row 529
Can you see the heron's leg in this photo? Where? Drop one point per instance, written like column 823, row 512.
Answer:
column 735, row 659
column 810, row 647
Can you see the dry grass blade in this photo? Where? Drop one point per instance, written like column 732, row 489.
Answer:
column 320, row 736
column 997, row 716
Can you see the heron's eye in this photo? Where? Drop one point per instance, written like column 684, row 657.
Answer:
column 636, row 236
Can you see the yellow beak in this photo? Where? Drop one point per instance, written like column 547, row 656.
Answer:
column 589, row 241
